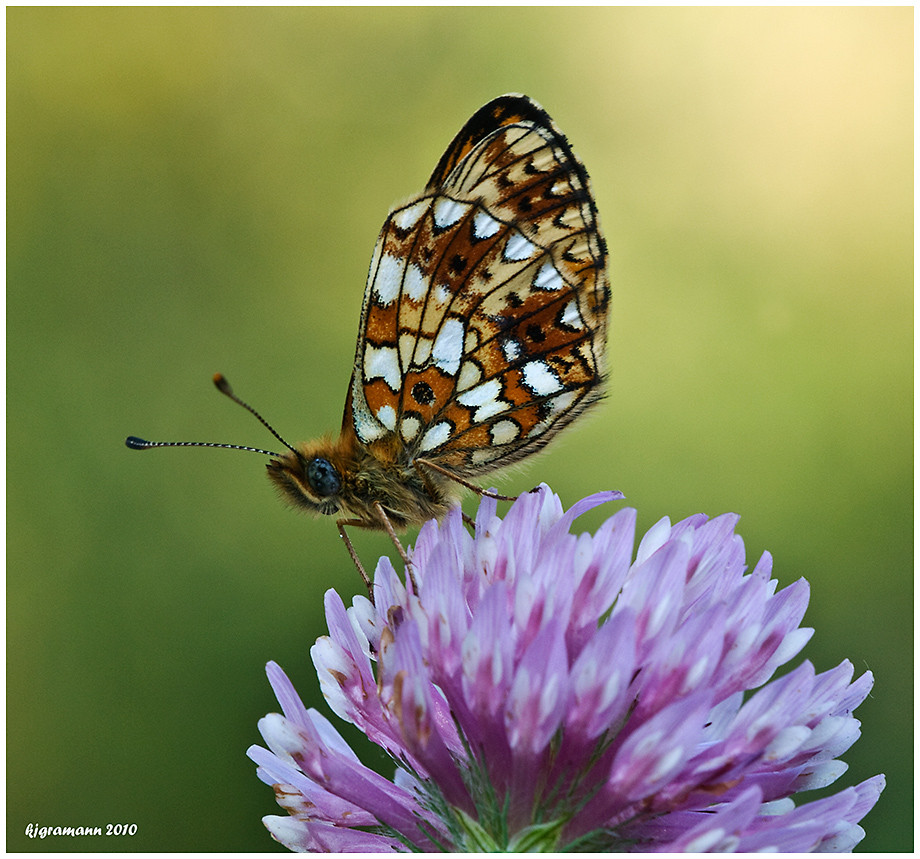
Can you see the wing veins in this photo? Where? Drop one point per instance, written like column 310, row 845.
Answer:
column 470, row 163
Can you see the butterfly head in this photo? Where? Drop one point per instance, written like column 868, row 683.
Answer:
column 312, row 477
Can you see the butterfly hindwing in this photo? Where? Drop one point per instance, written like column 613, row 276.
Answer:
column 484, row 320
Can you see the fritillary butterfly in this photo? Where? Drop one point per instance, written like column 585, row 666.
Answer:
column 482, row 334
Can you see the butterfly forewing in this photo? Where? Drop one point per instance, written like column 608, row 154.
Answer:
column 484, row 320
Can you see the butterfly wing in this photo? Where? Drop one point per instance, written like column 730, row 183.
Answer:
column 483, row 330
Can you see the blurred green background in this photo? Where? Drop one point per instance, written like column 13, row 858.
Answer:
column 199, row 189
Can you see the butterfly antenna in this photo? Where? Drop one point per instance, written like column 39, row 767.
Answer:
column 223, row 386
column 136, row 443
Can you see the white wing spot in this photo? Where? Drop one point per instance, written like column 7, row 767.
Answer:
column 470, row 374
column 511, row 349
column 406, row 348
column 407, row 218
column 387, row 416
column 541, row 379
column 563, row 402
column 490, row 410
column 448, row 346
column 485, row 226
column 548, row 278
column 518, row 248
column 571, row 318
column 504, row 432
column 382, row 363
column 447, row 212
column 560, row 188
column 422, row 351
column 409, row 428
column 436, row 436
column 480, row 394
column 367, row 428
column 485, row 398
column 388, row 279
column 416, row 284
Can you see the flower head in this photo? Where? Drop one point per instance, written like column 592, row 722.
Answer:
column 545, row 691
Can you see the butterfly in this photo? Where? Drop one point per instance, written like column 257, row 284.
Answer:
column 482, row 332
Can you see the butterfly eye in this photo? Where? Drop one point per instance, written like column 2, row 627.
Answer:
column 324, row 479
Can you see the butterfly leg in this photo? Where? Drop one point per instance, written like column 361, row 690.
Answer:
column 388, row 527
column 340, row 524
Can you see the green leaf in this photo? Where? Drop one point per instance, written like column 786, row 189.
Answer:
column 477, row 840
column 539, row 838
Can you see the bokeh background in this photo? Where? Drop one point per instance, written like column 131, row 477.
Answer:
column 199, row 189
